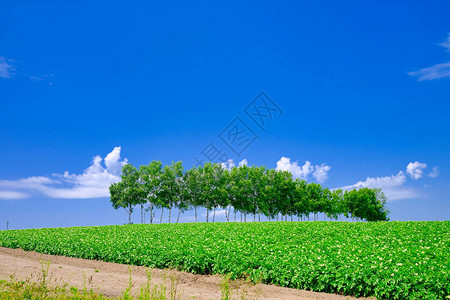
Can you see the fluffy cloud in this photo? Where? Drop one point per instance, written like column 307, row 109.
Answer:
column 94, row 182
column 228, row 165
column 6, row 67
column 380, row 182
column 434, row 173
column 391, row 186
column 437, row 71
column 321, row 172
column 415, row 169
column 243, row 162
column 113, row 163
column 285, row 164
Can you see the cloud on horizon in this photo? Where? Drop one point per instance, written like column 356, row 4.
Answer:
column 94, row 182
column 393, row 186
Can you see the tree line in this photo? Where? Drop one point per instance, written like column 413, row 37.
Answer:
column 242, row 191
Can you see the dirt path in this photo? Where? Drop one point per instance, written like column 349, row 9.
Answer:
column 111, row 279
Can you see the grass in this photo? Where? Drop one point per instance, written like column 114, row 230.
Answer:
column 39, row 288
column 388, row 260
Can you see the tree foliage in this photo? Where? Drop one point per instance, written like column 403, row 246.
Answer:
column 248, row 190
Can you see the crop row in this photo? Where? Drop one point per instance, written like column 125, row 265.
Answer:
column 388, row 260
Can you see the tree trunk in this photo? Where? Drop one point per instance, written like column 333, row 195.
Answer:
column 170, row 212
column 142, row 213
column 241, row 216
column 259, row 216
column 207, row 215
column 129, row 214
column 162, row 212
column 195, row 211
column 229, row 212
column 234, row 214
column 179, row 212
column 214, row 214
column 245, row 217
column 151, row 213
column 254, row 217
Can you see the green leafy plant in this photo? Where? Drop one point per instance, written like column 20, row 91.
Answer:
column 386, row 260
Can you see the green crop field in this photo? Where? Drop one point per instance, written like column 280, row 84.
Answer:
column 389, row 260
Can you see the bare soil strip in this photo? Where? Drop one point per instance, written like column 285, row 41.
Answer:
column 111, row 279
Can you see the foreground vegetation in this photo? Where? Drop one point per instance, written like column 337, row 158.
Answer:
column 388, row 260
column 41, row 287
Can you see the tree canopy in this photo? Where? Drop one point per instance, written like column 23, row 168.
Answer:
column 248, row 190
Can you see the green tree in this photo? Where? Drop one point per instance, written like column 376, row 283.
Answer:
column 150, row 177
column 338, row 204
column 315, row 194
column 171, row 187
column 128, row 192
column 194, row 190
column 271, row 194
column 301, row 201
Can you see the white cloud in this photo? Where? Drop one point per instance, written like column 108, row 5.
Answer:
column 434, row 173
column 94, row 182
column 415, row 169
column 243, row 162
column 228, row 165
column 393, row 186
column 12, row 195
column 400, row 193
column 378, row 182
column 6, row 67
column 35, row 182
column 113, row 163
column 390, row 185
column 437, row 71
column 446, row 44
column 321, row 172
column 433, row 72
column 219, row 213
column 284, row 164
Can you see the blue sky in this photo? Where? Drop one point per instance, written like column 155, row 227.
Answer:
column 362, row 90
